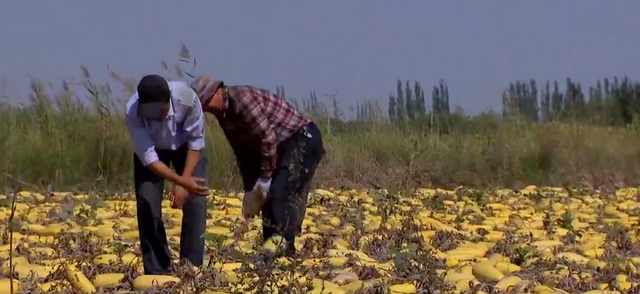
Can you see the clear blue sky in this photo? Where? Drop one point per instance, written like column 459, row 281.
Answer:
column 359, row 48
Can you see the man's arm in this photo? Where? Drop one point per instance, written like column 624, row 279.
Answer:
column 145, row 149
column 247, row 174
column 161, row 169
column 247, row 163
column 194, row 127
column 254, row 116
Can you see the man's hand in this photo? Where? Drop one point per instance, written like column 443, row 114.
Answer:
column 178, row 196
column 189, row 183
column 192, row 185
column 263, row 185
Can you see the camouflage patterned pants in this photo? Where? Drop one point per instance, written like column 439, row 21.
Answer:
column 298, row 158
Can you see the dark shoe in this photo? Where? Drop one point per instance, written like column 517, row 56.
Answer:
column 290, row 249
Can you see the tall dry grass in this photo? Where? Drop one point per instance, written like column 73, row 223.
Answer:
column 63, row 142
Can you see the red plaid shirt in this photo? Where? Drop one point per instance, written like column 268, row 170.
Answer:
column 256, row 118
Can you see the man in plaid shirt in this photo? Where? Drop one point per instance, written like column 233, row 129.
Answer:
column 277, row 151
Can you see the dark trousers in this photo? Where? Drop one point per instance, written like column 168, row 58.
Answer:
column 285, row 208
column 149, row 189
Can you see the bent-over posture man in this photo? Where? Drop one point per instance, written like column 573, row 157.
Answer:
column 166, row 124
column 277, row 151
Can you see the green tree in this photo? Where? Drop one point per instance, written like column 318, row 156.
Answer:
column 436, row 100
column 545, row 103
column 557, row 101
column 421, row 107
column 409, row 101
column 392, row 108
column 440, row 98
column 401, row 112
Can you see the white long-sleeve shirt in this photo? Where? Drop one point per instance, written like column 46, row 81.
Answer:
column 184, row 124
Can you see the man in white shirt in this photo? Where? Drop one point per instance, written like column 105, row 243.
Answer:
column 166, row 124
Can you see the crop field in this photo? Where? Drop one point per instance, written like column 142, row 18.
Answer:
column 533, row 240
column 378, row 233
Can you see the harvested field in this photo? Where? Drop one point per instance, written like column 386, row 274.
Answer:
column 536, row 240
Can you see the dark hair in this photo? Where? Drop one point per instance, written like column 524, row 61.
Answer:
column 153, row 88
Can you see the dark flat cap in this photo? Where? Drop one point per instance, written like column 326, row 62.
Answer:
column 153, row 96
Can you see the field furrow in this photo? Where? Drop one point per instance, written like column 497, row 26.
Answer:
column 537, row 240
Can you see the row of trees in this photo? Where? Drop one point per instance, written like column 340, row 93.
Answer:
column 608, row 102
column 612, row 102
column 407, row 103
column 411, row 104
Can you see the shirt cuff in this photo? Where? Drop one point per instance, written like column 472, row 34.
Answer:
column 149, row 158
column 196, row 144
